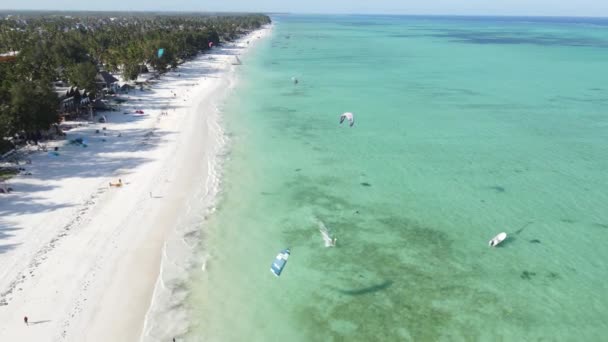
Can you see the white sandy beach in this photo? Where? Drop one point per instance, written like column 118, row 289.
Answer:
column 81, row 258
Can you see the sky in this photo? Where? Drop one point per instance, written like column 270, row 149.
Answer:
column 451, row 7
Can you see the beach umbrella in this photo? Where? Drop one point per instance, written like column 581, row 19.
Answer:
column 210, row 45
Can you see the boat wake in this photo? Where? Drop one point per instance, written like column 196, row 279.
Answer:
column 325, row 234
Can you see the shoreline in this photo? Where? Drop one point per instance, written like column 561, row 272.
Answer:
column 167, row 316
column 82, row 259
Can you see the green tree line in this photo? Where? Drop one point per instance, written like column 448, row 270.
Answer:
column 74, row 47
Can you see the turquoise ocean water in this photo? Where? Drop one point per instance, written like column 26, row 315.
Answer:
column 465, row 127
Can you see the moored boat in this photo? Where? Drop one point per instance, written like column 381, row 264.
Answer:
column 497, row 239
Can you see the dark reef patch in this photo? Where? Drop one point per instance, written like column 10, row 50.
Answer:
column 365, row 290
column 498, row 188
column 521, row 230
column 527, row 275
column 397, row 267
column 515, row 38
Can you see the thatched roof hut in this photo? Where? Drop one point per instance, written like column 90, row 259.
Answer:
column 105, row 80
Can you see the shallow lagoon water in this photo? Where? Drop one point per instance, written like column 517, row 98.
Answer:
column 465, row 127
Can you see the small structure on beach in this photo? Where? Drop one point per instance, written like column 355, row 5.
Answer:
column 75, row 102
column 9, row 56
column 105, row 80
column 126, row 87
column 101, row 105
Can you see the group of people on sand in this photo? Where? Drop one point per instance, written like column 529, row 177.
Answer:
column 117, row 184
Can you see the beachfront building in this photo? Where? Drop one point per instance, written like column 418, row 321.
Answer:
column 9, row 56
column 106, row 82
column 75, row 103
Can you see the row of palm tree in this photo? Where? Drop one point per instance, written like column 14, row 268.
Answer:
column 73, row 48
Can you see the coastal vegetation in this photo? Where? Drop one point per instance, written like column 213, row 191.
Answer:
column 6, row 173
column 38, row 50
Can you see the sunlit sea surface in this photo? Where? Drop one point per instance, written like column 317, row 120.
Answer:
column 464, row 128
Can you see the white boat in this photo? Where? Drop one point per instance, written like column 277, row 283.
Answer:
column 497, row 239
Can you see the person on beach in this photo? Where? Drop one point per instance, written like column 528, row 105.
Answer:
column 25, row 320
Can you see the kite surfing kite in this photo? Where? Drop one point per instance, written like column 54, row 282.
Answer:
column 349, row 116
column 161, row 52
column 279, row 262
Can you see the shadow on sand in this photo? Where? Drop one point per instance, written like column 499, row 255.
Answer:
column 365, row 290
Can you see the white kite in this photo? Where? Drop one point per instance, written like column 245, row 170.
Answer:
column 348, row 116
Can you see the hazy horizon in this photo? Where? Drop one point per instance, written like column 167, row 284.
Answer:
column 9, row 10
column 534, row 8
